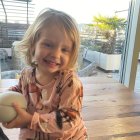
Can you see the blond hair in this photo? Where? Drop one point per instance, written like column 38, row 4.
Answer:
column 47, row 16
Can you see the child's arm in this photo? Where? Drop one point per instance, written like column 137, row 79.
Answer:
column 67, row 116
column 17, row 87
column 22, row 81
column 64, row 118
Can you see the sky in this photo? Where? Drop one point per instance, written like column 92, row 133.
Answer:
column 84, row 10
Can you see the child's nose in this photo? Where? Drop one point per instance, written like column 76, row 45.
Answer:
column 56, row 52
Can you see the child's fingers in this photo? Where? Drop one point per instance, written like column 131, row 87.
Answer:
column 17, row 108
column 15, row 104
column 9, row 125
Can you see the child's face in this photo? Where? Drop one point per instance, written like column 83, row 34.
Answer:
column 53, row 50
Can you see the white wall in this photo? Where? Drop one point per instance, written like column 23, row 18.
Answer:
column 104, row 61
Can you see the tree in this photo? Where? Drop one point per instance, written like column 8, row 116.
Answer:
column 109, row 26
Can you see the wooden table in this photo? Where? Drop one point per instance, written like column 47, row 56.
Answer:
column 110, row 110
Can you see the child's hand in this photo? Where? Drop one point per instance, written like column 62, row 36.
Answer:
column 23, row 118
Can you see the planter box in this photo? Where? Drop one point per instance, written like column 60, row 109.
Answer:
column 108, row 62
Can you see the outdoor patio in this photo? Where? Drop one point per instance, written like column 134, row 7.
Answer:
column 6, row 65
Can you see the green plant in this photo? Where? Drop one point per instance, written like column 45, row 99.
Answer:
column 94, row 48
column 108, row 27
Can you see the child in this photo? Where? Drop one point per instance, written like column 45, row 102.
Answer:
column 52, row 90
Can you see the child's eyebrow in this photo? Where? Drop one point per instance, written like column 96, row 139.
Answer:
column 53, row 42
column 67, row 46
column 46, row 40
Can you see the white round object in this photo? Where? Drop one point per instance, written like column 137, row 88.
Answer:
column 7, row 112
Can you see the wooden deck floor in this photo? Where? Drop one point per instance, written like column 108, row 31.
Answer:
column 110, row 110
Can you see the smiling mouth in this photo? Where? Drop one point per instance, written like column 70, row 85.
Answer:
column 51, row 63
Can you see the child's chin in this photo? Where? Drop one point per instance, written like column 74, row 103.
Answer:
column 53, row 70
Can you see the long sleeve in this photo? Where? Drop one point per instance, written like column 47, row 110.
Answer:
column 56, row 108
column 24, row 80
column 18, row 87
column 67, row 115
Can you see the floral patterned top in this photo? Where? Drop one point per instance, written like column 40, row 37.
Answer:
column 56, row 107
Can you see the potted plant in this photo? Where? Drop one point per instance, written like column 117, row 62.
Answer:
column 109, row 50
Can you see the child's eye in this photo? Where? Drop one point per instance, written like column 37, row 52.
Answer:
column 47, row 45
column 65, row 50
